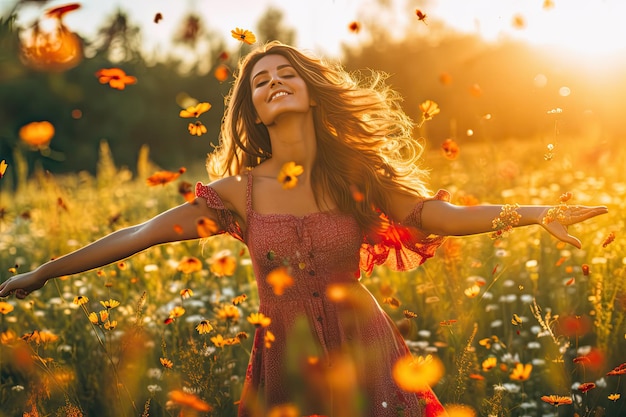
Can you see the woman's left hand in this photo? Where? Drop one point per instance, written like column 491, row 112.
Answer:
column 556, row 219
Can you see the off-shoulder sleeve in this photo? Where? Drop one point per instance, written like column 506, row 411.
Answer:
column 227, row 222
column 403, row 246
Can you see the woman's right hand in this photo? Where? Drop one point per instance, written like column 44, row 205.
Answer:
column 21, row 285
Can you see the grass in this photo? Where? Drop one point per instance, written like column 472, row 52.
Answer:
column 481, row 306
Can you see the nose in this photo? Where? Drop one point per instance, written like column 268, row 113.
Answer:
column 274, row 81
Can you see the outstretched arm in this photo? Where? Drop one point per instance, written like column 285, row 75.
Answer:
column 442, row 218
column 176, row 224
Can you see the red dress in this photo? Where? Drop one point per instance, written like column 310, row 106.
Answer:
column 333, row 347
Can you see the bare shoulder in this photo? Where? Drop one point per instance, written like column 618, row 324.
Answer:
column 232, row 192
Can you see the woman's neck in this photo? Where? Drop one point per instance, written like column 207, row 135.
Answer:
column 293, row 140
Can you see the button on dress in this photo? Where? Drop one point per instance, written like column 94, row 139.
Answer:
column 330, row 348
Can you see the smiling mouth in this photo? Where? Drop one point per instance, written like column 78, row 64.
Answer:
column 277, row 95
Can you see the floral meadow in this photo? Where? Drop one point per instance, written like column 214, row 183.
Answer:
column 509, row 325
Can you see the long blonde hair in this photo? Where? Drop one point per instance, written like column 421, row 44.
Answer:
column 365, row 142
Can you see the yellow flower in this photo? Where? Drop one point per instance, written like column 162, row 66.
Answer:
column 3, row 168
column 489, row 363
column 186, row 293
column 429, row 108
column 269, row 339
column 521, row 372
column 93, row 317
column 239, row 299
column 414, row 374
column 197, row 128
column 259, row 319
column 104, row 315
column 79, row 300
column 176, row 312
column 110, row 325
column 223, row 264
column 5, row 308
column 109, row 304
column 614, row 397
column 556, row 400
column 8, row 337
column 195, row 111
column 204, row 327
column 472, row 291
column 288, row 175
column 228, row 312
column 243, row 35
column 218, row 341
column 166, row 363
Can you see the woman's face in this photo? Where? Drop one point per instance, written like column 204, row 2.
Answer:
column 277, row 89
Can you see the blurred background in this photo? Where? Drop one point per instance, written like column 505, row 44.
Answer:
column 541, row 70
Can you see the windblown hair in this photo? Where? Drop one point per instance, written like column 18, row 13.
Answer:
column 365, row 144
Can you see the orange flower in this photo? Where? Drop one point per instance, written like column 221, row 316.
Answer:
column 614, row 396
column 450, row 149
column 417, row 374
column 288, row 175
column 239, row 299
column 429, row 109
column 609, row 239
column 228, row 312
column 243, row 35
column 279, row 279
column 184, row 189
column 3, row 168
column 187, row 400
column 5, row 308
column 163, row 177
column 618, row 370
column 556, row 400
column 586, row 386
column 195, row 111
column 58, row 12
column 37, row 134
column 189, row 264
column 489, row 363
column 176, row 312
column 186, row 293
column 521, row 372
column 221, row 73
column 259, row 319
column 223, row 264
column 206, row 227
column 115, row 77
column 421, row 16
column 197, row 128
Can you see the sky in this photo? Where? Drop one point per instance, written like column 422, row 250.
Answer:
column 591, row 28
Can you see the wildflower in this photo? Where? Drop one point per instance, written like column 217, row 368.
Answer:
column 166, row 363
column 206, row 227
column 409, row 314
column 450, row 149
column 223, row 264
column 259, row 319
column 447, row 323
column 3, row 168
column 521, row 372
column 219, row 341
column 414, row 374
column 110, row 325
column 392, row 302
column 472, row 291
column 585, row 269
column 176, row 312
column 8, row 337
column 228, row 312
column 243, row 35
column 288, row 175
column 489, row 363
column 164, row 177
column 79, row 300
column 187, row 400
column 614, row 397
column 189, row 264
column 104, row 315
column 269, row 339
column 186, row 293
column 586, row 386
column 204, row 327
column 93, row 317
column 279, row 279
column 37, row 134
column 109, row 304
column 195, row 111
column 284, row 410
column 40, row 337
column 5, row 308
column 565, row 197
column 618, row 370
column 429, row 109
column 197, row 128
column 115, row 77
column 556, row 400
column 239, row 299
column 516, row 320
column 221, row 73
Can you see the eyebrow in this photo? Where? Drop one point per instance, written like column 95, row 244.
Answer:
column 266, row 71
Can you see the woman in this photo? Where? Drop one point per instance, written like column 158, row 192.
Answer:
column 356, row 199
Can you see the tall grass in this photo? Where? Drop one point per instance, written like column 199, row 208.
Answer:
column 482, row 306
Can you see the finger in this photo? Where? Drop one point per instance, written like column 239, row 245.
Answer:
column 21, row 294
column 573, row 241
